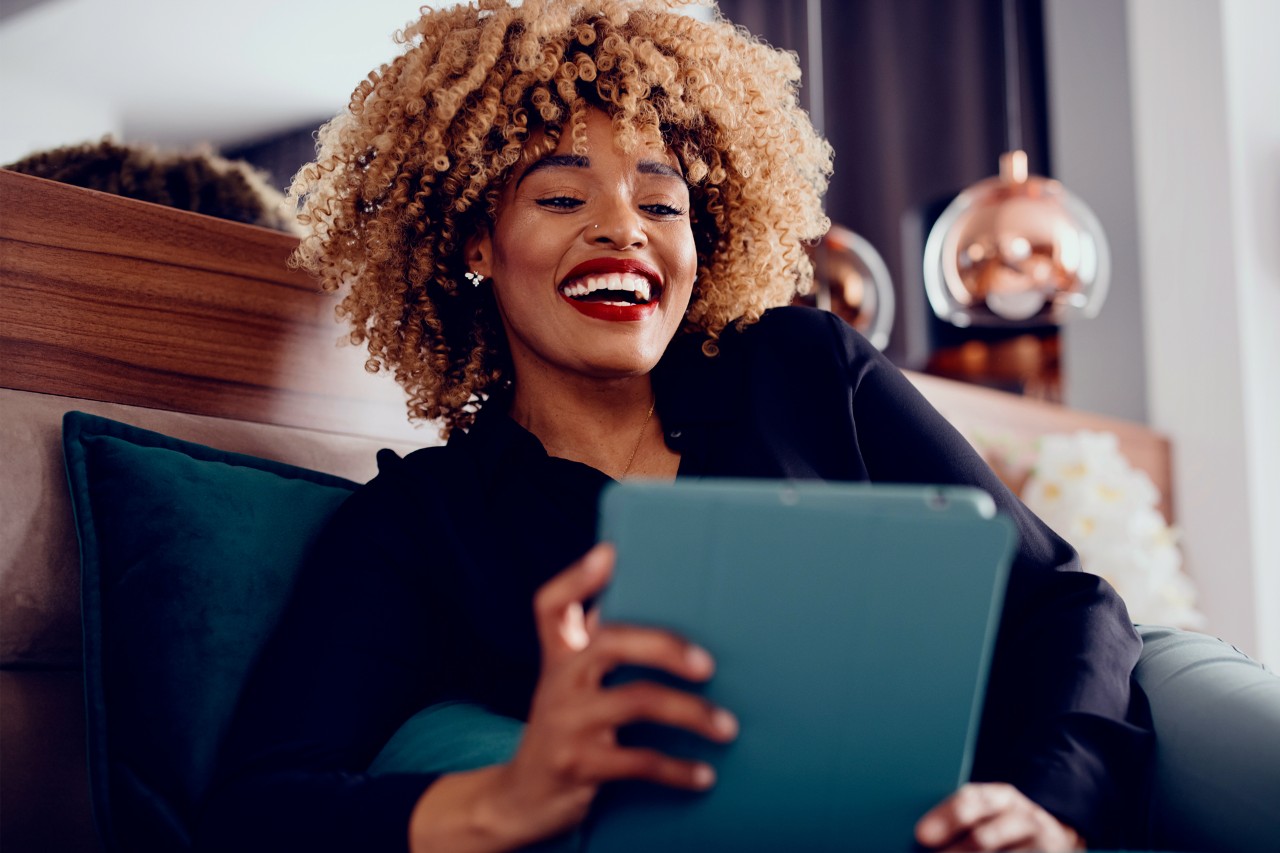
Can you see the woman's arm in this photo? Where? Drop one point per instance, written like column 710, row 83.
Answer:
column 1055, row 724
column 570, row 748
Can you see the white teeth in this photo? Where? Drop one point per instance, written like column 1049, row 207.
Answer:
column 637, row 284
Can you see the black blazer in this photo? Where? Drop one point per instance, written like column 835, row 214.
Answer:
column 421, row 591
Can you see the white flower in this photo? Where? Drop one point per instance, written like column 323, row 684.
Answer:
column 1084, row 488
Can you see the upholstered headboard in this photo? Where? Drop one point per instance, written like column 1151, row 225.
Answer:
column 1005, row 427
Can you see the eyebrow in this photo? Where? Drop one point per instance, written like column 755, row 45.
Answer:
column 654, row 167
column 556, row 161
column 577, row 161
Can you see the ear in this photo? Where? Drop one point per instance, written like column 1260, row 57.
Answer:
column 478, row 253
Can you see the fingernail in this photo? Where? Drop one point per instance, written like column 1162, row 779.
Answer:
column 595, row 562
column 704, row 776
column 699, row 660
column 725, row 724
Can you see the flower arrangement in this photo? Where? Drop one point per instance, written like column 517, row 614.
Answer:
column 1082, row 486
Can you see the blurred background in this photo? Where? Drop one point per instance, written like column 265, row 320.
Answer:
column 1161, row 115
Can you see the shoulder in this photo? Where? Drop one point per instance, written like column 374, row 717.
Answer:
column 789, row 322
column 816, row 351
column 797, row 332
column 405, row 487
column 380, row 533
column 794, row 354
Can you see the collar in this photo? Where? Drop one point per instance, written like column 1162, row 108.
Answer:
column 497, row 443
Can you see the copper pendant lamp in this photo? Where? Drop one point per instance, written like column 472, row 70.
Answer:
column 1016, row 249
column 853, row 282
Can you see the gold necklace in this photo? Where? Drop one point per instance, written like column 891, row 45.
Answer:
column 639, row 439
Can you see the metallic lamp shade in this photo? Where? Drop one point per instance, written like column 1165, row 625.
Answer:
column 1016, row 250
column 853, row 282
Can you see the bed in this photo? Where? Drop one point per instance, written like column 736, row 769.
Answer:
column 195, row 328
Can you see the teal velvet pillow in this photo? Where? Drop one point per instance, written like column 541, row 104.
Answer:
column 188, row 555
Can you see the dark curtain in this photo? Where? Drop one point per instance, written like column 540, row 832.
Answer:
column 914, row 105
column 282, row 155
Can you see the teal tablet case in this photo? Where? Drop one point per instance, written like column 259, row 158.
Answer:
column 852, row 627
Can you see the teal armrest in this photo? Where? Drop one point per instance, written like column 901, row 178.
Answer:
column 1216, row 715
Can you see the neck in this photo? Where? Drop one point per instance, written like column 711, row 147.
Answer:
column 598, row 423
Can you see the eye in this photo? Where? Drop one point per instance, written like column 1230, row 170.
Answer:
column 560, row 202
column 665, row 211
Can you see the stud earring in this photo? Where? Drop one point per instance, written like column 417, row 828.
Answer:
column 474, row 277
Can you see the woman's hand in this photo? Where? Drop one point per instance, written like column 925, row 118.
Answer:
column 994, row 816
column 570, row 745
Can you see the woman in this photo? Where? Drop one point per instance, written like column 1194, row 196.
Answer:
column 561, row 226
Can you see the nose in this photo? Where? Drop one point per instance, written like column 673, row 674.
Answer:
column 619, row 226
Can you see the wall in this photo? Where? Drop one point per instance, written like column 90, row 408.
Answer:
column 1165, row 120
column 1250, row 29
column 77, row 118
column 1206, row 84
column 1091, row 142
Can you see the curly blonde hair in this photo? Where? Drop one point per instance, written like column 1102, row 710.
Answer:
column 418, row 160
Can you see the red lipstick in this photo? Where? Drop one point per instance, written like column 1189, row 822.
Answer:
column 615, row 312
column 622, row 313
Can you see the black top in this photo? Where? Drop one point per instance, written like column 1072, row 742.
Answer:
column 421, row 590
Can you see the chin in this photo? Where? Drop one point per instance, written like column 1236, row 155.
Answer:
column 624, row 355
column 619, row 368
column 603, row 364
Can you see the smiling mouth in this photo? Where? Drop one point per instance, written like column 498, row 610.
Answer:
column 614, row 288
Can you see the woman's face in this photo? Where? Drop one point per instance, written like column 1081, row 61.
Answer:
column 591, row 257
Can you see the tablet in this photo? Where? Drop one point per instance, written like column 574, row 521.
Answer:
column 852, row 627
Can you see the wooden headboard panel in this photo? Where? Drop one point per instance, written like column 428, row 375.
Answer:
column 107, row 298
column 1006, row 427
column 111, row 299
